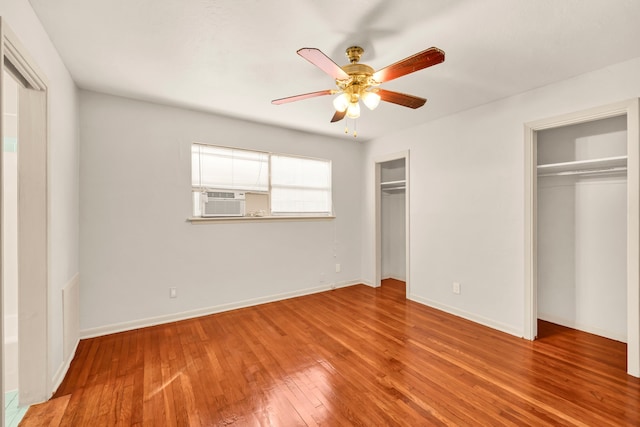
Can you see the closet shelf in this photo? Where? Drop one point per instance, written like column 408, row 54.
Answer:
column 387, row 184
column 583, row 167
column 390, row 186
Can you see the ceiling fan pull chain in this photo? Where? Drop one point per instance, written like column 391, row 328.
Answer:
column 355, row 129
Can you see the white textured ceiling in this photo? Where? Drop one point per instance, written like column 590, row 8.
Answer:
column 233, row 57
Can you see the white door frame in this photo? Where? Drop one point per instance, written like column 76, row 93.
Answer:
column 33, row 221
column 631, row 109
column 378, row 217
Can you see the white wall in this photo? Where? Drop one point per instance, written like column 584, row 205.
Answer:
column 63, row 164
column 467, row 196
column 582, row 231
column 136, row 196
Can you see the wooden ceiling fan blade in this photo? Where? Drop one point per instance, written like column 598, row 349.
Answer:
column 301, row 97
column 419, row 61
column 322, row 61
column 401, row 98
column 338, row 116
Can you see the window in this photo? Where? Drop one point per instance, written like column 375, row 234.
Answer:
column 228, row 168
column 270, row 184
column 300, row 185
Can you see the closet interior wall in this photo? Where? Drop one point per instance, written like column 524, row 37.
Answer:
column 582, row 226
column 393, row 181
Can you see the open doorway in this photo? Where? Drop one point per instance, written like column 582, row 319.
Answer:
column 582, row 226
column 10, row 242
column 570, row 188
column 392, row 218
column 29, row 257
column 392, row 205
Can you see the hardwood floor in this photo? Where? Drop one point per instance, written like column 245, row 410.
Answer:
column 352, row 356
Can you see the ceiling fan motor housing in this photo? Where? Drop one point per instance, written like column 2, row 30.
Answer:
column 360, row 78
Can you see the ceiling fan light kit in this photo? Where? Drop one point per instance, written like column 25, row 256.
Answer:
column 371, row 100
column 359, row 82
column 353, row 110
column 341, row 102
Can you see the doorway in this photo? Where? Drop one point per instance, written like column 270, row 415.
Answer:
column 31, row 225
column 10, row 240
column 392, row 218
column 608, row 168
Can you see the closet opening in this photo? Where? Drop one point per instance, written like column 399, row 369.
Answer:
column 582, row 226
column 582, row 222
column 392, row 219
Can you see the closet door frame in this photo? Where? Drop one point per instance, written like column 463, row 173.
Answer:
column 378, row 217
column 33, row 221
column 630, row 108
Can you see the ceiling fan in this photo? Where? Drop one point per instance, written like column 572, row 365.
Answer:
column 359, row 82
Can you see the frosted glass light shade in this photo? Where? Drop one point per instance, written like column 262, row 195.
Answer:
column 353, row 111
column 341, row 102
column 371, row 100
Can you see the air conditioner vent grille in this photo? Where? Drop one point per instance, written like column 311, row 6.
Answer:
column 223, row 203
column 221, row 194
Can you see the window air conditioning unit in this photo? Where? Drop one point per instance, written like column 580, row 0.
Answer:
column 223, row 203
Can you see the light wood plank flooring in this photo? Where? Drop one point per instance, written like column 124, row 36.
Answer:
column 352, row 356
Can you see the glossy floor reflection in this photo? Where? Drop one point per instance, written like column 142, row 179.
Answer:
column 351, row 356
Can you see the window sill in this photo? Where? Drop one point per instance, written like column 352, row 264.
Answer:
column 228, row 219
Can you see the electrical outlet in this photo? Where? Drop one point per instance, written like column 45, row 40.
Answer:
column 456, row 287
column 173, row 293
column 322, row 278
column 338, row 268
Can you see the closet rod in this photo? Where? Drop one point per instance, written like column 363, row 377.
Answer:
column 587, row 171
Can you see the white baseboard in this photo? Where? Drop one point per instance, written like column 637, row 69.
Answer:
column 490, row 323
column 174, row 317
column 366, row 282
column 570, row 323
column 62, row 371
column 401, row 279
